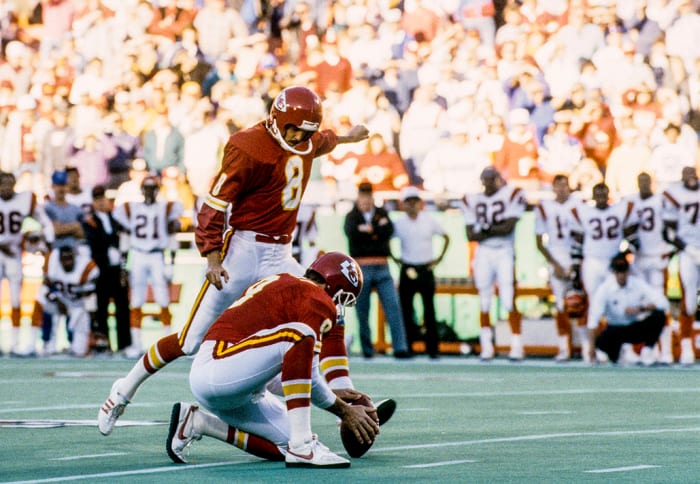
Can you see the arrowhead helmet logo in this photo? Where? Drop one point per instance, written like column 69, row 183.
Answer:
column 281, row 102
column 348, row 270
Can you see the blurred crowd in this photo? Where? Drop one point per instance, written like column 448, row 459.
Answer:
column 598, row 89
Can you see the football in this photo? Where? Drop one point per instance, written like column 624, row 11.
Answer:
column 385, row 409
column 352, row 446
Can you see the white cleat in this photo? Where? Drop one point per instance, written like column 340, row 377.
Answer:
column 111, row 410
column 133, row 353
column 647, row 356
column 687, row 352
column 562, row 356
column 181, row 433
column 517, row 353
column 486, row 342
column 314, row 454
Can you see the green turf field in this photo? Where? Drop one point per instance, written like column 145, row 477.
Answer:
column 458, row 420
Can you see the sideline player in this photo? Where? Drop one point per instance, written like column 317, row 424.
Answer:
column 654, row 253
column 263, row 176
column 14, row 208
column 262, row 337
column 553, row 234
column 597, row 233
column 151, row 224
column 490, row 218
column 682, row 230
column 69, row 291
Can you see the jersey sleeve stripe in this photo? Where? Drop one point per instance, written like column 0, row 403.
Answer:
column 215, row 203
column 127, row 209
column 89, row 268
column 670, row 198
column 540, row 209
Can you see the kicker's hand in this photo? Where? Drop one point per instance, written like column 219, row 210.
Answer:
column 216, row 274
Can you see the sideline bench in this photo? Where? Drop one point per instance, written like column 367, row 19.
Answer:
column 459, row 287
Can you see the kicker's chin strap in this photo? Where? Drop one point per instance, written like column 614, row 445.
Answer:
column 275, row 132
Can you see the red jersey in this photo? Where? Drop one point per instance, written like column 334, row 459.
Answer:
column 282, row 307
column 262, row 182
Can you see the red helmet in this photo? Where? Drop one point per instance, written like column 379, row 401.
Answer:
column 575, row 303
column 342, row 275
column 296, row 106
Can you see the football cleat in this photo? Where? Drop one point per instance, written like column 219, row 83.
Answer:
column 687, row 352
column 516, row 349
column 314, row 454
column 181, row 433
column 111, row 410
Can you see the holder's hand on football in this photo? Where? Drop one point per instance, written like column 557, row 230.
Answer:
column 357, row 420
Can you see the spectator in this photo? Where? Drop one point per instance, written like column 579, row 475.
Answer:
column 415, row 231
column 626, row 162
column 163, row 144
column 517, row 160
column 217, row 24
column 369, row 229
column 77, row 194
column 669, row 157
column 634, row 312
column 560, row 151
column 91, row 156
column 65, row 217
column 102, row 233
column 453, row 164
column 381, row 166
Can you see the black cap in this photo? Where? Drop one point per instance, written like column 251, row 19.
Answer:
column 619, row 263
column 98, row 191
column 364, row 187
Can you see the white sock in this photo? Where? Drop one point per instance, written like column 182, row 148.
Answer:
column 299, row 426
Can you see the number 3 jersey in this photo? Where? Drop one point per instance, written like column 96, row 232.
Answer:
column 488, row 210
column 148, row 223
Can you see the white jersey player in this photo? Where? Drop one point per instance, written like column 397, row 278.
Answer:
column 553, row 220
column 682, row 230
column 653, row 253
column 69, row 291
column 490, row 218
column 14, row 209
column 305, row 235
column 151, row 224
column 598, row 232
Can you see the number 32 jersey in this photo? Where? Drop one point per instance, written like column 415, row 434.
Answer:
column 603, row 229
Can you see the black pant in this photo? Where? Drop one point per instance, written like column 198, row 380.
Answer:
column 419, row 279
column 646, row 331
column 109, row 286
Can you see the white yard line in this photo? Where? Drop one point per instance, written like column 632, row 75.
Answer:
column 517, row 438
column 103, row 475
column 622, row 469
column 91, row 456
column 440, row 464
